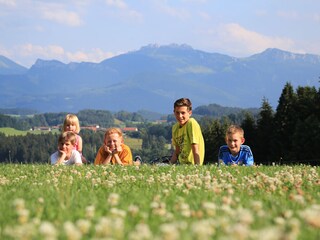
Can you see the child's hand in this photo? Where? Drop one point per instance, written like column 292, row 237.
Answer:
column 107, row 149
column 118, row 148
column 62, row 154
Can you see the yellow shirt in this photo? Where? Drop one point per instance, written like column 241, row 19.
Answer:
column 184, row 137
column 125, row 156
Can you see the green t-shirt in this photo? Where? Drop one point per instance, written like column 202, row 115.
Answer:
column 184, row 136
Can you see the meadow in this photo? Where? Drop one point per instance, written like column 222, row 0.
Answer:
column 159, row 202
column 14, row 132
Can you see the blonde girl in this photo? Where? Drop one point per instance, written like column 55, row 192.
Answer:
column 71, row 124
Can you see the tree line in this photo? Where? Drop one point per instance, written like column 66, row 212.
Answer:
column 289, row 134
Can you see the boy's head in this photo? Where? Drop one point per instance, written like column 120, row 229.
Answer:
column 71, row 123
column 182, row 110
column 66, row 141
column 234, row 138
column 113, row 138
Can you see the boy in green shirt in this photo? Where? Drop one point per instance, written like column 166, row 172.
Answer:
column 186, row 135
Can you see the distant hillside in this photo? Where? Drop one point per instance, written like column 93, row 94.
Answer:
column 153, row 77
column 17, row 111
column 215, row 110
column 9, row 67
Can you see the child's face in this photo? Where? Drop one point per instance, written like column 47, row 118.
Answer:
column 65, row 146
column 182, row 114
column 113, row 141
column 234, row 141
column 71, row 127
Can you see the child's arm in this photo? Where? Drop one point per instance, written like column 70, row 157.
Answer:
column 249, row 160
column 61, row 157
column 117, row 158
column 80, row 144
column 107, row 160
column 195, row 152
column 249, row 157
column 175, row 155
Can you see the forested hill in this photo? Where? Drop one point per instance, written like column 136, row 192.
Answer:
column 24, row 119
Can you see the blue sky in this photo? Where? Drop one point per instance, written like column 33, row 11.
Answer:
column 84, row 30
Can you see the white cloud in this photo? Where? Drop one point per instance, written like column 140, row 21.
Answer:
column 95, row 55
column 171, row 11
column 124, row 10
column 29, row 53
column 195, row 1
column 235, row 39
column 9, row 3
column 117, row 3
column 48, row 52
column 289, row 15
column 204, row 15
column 4, row 52
column 316, row 17
column 62, row 16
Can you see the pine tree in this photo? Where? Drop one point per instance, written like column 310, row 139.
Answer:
column 285, row 120
column 214, row 135
column 265, row 127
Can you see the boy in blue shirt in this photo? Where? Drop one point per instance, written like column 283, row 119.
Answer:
column 234, row 153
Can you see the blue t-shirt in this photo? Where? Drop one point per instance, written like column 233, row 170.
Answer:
column 244, row 156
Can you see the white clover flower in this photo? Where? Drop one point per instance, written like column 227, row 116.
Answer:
column 90, row 210
column 88, row 175
column 104, row 228
column 280, row 221
column 209, row 208
column 141, row 232
column 19, row 204
column 71, row 231
column 287, row 214
column 256, row 205
column 169, row 232
column 154, row 205
column 23, row 215
column 48, row 231
column 113, row 199
column 268, row 233
column 239, row 231
column 25, row 231
column 117, row 228
column 294, row 225
column 184, row 209
column 83, row 225
column 312, row 215
column 4, row 180
column 203, row 230
column 245, row 216
column 115, row 212
column 133, row 210
column 299, row 199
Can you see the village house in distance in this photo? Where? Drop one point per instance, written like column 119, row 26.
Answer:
column 94, row 128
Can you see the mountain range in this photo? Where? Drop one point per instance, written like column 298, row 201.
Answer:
column 153, row 77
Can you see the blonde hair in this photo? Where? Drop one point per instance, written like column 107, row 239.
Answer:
column 232, row 129
column 67, row 136
column 112, row 130
column 71, row 119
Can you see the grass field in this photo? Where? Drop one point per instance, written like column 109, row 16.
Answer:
column 133, row 143
column 159, row 202
column 15, row 132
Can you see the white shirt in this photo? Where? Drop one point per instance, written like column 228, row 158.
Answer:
column 75, row 158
